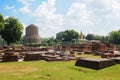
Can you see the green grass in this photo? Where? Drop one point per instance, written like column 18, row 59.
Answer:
column 87, row 56
column 41, row 70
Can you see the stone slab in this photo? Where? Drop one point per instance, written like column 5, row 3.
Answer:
column 9, row 58
column 107, row 55
column 117, row 60
column 49, row 59
column 32, row 57
column 94, row 63
column 117, row 55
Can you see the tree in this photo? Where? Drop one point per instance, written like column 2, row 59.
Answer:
column 114, row 37
column 104, row 39
column 1, row 23
column 59, row 36
column 98, row 37
column 48, row 41
column 90, row 37
column 67, row 36
column 12, row 31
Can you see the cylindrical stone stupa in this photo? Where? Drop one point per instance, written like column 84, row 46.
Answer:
column 32, row 35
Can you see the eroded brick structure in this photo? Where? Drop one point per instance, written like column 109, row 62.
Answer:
column 32, row 35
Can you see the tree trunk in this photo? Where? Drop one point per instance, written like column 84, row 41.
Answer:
column 8, row 43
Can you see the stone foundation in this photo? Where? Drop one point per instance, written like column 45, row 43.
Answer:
column 117, row 60
column 10, row 57
column 32, row 57
column 95, row 63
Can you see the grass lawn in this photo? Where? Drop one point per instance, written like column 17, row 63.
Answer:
column 41, row 70
column 88, row 56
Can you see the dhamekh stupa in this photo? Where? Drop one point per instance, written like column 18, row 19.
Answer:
column 32, row 35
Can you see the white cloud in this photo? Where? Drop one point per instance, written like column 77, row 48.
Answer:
column 78, row 15
column 92, row 16
column 48, row 19
column 5, row 17
column 25, row 10
column 105, row 12
column 12, row 8
column 24, row 28
column 26, row 3
column 116, row 27
column 111, row 8
column 115, row 10
column 44, row 8
column 9, row 7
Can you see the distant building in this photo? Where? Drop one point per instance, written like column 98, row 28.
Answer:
column 32, row 35
column 81, row 35
column 81, row 38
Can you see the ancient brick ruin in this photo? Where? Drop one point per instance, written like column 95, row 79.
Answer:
column 32, row 35
column 88, row 47
column 62, row 52
column 95, row 63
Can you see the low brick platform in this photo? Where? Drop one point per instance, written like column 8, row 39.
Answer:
column 32, row 57
column 88, row 52
column 117, row 55
column 107, row 55
column 69, row 57
column 10, row 57
column 95, row 63
column 49, row 59
column 98, row 53
column 117, row 60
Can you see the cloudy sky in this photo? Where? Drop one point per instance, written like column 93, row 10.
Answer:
column 52, row 16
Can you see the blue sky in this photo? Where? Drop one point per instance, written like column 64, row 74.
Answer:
column 52, row 16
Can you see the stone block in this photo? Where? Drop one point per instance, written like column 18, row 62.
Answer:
column 97, row 53
column 10, row 57
column 117, row 60
column 88, row 52
column 95, row 63
column 117, row 55
column 49, row 59
column 32, row 57
column 107, row 55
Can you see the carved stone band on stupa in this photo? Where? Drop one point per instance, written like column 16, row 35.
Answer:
column 32, row 35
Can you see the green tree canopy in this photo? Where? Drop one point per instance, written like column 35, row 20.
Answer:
column 104, row 39
column 1, row 23
column 48, row 41
column 12, row 31
column 90, row 37
column 59, row 36
column 98, row 37
column 67, row 35
column 114, row 37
